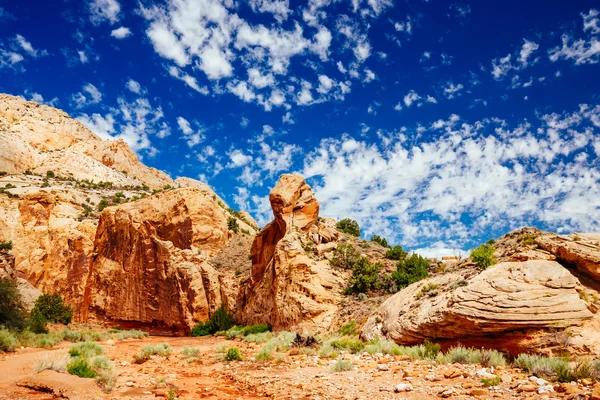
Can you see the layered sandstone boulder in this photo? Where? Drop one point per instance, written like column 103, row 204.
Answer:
column 287, row 288
column 507, row 297
column 151, row 267
column 581, row 251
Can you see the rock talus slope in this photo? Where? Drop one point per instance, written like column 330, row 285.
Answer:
column 287, row 288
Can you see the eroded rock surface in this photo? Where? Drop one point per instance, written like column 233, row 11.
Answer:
column 287, row 288
column 151, row 264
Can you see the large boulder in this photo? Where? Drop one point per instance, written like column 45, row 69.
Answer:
column 581, row 251
column 287, row 288
column 507, row 297
column 151, row 269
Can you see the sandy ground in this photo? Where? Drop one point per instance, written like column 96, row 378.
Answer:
column 292, row 375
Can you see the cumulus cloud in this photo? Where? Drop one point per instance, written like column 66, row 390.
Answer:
column 134, row 86
column 191, row 136
column 238, row 158
column 121, row 33
column 104, row 10
column 89, row 95
column 451, row 90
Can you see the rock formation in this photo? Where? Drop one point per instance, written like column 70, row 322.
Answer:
column 151, row 263
column 287, row 288
column 581, row 251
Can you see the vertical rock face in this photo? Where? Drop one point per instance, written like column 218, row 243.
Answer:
column 287, row 288
column 52, row 250
column 151, row 261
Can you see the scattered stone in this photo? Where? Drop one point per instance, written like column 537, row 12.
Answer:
column 383, row 367
column 129, row 384
column 403, row 387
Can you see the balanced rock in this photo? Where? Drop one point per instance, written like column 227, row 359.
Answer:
column 287, row 287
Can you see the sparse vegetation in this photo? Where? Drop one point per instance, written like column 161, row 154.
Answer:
column 233, row 354
column 81, row 367
column 341, row 365
column 345, row 256
column 430, row 289
column 54, row 362
column 50, row 174
column 349, row 329
column 364, row 276
column 487, row 382
column 410, row 270
column 396, row 253
column 6, row 246
column 8, row 341
column 349, row 226
column 380, row 240
column 483, row 256
column 221, row 320
column 162, row 350
column 528, row 239
column 232, row 224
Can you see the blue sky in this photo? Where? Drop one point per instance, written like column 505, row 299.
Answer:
column 436, row 124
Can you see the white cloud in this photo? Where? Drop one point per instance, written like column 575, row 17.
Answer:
column 258, row 80
column 591, row 21
column 279, row 8
column 304, row 97
column 238, row 159
column 451, row 90
column 188, row 79
column 88, row 96
column 325, row 84
column 215, row 63
column 581, row 51
column 526, row 51
column 134, row 86
column 82, row 56
column 410, row 98
column 104, row 10
column 191, row 136
column 25, row 45
column 121, row 33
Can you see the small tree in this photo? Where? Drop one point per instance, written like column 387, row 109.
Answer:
column 233, row 225
column 102, row 204
column 345, row 256
column 50, row 174
column 6, row 246
column 349, row 226
column 380, row 240
column 410, row 270
column 12, row 310
column 396, row 253
column 364, row 276
column 52, row 308
column 483, row 256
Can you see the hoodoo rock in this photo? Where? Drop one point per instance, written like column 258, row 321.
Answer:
column 287, row 288
column 506, row 297
column 151, row 267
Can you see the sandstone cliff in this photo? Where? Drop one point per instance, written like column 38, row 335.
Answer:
column 287, row 288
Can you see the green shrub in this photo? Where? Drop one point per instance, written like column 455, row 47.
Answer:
column 348, row 329
column 6, row 246
column 364, row 276
column 341, row 365
column 191, row 352
column 232, row 224
column 254, row 329
column 86, row 350
column 132, row 334
column 463, row 355
column 50, row 174
column 431, row 350
column 233, row 354
column 12, row 310
column 8, row 341
column 102, row 204
column 430, row 289
column 483, row 256
column 53, row 309
column 487, row 382
column 37, row 322
column 81, row 368
column 380, row 240
column 382, row 346
column 265, row 353
column 258, row 337
column 492, row 358
column 221, row 320
column 349, row 226
column 396, row 253
column 345, row 256
column 347, row 343
column 410, row 270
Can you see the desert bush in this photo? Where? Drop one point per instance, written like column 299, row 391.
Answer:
column 492, row 358
column 6, row 246
column 232, row 224
column 50, row 174
column 341, row 365
column 102, row 204
column 548, row 367
column 265, row 353
column 364, row 276
column 349, row 226
column 53, row 309
column 8, row 341
column 382, row 346
column 348, row 329
column 221, row 320
column 345, row 256
column 131, row 334
column 86, row 350
column 55, row 362
column 347, row 343
column 430, row 350
column 163, row 350
column 430, row 289
column 487, row 382
column 463, row 355
column 239, row 331
column 396, row 253
column 12, row 310
column 191, row 353
column 483, row 256
column 410, row 270
column 380, row 240
column 233, row 354
column 262, row 337
column 81, row 367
